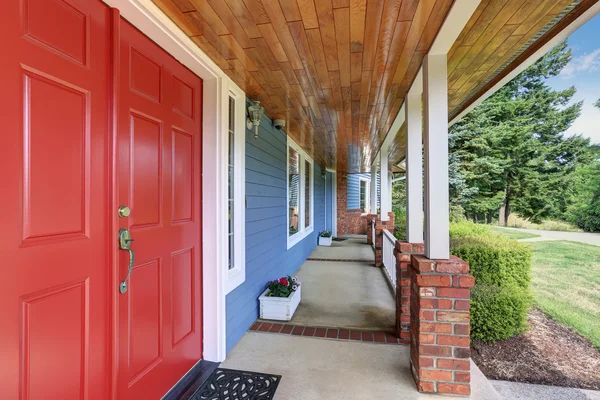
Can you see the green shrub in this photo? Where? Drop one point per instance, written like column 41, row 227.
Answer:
column 467, row 228
column 400, row 226
column 495, row 260
column 502, row 270
column 588, row 217
column 498, row 313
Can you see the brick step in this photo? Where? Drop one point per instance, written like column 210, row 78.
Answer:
column 343, row 334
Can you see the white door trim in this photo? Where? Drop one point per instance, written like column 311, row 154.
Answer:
column 149, row 19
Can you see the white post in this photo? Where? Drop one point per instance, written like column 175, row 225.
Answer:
column 414, row 169
column 373, row 209
column 384, row 186
column 435, row 99
column 390, row 203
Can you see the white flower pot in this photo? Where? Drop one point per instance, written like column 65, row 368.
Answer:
column 325, row 241
column 279, row 308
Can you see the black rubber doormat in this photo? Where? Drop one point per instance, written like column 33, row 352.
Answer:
column 339, row 239
column 231, row 384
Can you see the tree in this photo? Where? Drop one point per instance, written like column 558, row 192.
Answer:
column 511, row 151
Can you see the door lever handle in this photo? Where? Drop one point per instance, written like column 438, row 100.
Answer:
column 125, row 244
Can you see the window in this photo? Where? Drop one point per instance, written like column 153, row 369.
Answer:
column 300, row 194
column 364, row 195
column 235, row 145
column 293, row 192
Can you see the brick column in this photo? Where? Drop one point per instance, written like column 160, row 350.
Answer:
column 403, row 252
column 379, row 227
column 439, row 322
column 370, row 220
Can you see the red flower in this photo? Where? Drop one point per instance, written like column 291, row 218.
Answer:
column 284, row 281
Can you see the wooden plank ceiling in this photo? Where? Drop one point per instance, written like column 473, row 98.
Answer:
column 497, row 33
column 500, row 35
column 336, row 70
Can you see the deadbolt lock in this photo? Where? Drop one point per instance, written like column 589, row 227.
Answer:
column 124, row 211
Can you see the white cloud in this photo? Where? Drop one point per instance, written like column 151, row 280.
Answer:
column 587, row 123
column 588, row 62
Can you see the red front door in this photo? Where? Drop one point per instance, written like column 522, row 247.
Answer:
column 54, row 261
column 59, row 287
column 159, row 175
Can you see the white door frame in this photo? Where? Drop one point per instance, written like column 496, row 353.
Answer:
column 150, row 20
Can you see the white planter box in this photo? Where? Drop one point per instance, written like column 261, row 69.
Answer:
column 325, row 241
column 279, row 308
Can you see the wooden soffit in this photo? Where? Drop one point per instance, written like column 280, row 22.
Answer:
column 336, row 70
column 499, row 37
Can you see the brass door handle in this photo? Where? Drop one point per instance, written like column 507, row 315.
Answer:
column 125, row 244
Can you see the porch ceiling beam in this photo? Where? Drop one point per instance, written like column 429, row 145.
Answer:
column 435, row 104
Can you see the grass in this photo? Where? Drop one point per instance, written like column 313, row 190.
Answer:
column 566, row 283
column 514, row 221
column 511, row 234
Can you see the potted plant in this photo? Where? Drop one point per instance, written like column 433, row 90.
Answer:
column 325, row 238
column 280, row 299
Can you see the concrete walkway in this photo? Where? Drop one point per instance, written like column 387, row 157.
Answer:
column 581, row 237
column 354, row 247
column 320, row 369
column 345, row 295
column 526, row 391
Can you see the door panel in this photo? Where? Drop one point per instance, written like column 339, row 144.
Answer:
column 159, row 137
column 53, row 237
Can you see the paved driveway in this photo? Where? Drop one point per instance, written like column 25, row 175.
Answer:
column 581, row 237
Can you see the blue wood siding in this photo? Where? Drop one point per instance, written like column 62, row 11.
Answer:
column 354, row 187
column 267, row 256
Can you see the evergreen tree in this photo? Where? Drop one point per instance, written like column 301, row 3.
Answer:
column 511, row 150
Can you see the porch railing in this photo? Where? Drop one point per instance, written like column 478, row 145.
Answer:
column 389, row 260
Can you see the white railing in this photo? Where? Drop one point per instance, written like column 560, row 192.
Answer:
column 373, row 234
column 389, row 260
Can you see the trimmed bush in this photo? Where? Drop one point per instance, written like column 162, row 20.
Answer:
column 467, row 228
column 501, row 297
column 495, row 260
column 498, row 313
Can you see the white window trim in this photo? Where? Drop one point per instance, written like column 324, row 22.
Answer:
column 304, row 231
column 367, row 194
column 237, row 275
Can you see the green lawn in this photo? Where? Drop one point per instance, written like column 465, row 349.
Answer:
column 512, row 234
column 566, row 283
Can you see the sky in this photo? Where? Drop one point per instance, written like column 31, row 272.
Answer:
column 583, row 72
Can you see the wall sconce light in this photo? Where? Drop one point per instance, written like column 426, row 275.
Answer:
column 256, row 112
column 323, row 173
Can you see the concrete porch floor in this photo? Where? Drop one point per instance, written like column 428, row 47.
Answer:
column 345, row 295
column 354, row 247
column 320, row 369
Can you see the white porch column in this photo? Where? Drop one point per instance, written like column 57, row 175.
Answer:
column 414, row 169
column 390, row 185
column 384, row 186
column 373, row 189
column 435, row 99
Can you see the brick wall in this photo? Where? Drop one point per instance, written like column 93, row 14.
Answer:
column 439, row 322
column 348, row 221
column 403, row 253
column 379, row 227
column 369, row 221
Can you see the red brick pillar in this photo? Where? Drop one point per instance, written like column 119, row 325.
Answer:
column 439, row 322
column 370, row 220
column 403, row 252
column 379, row 227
